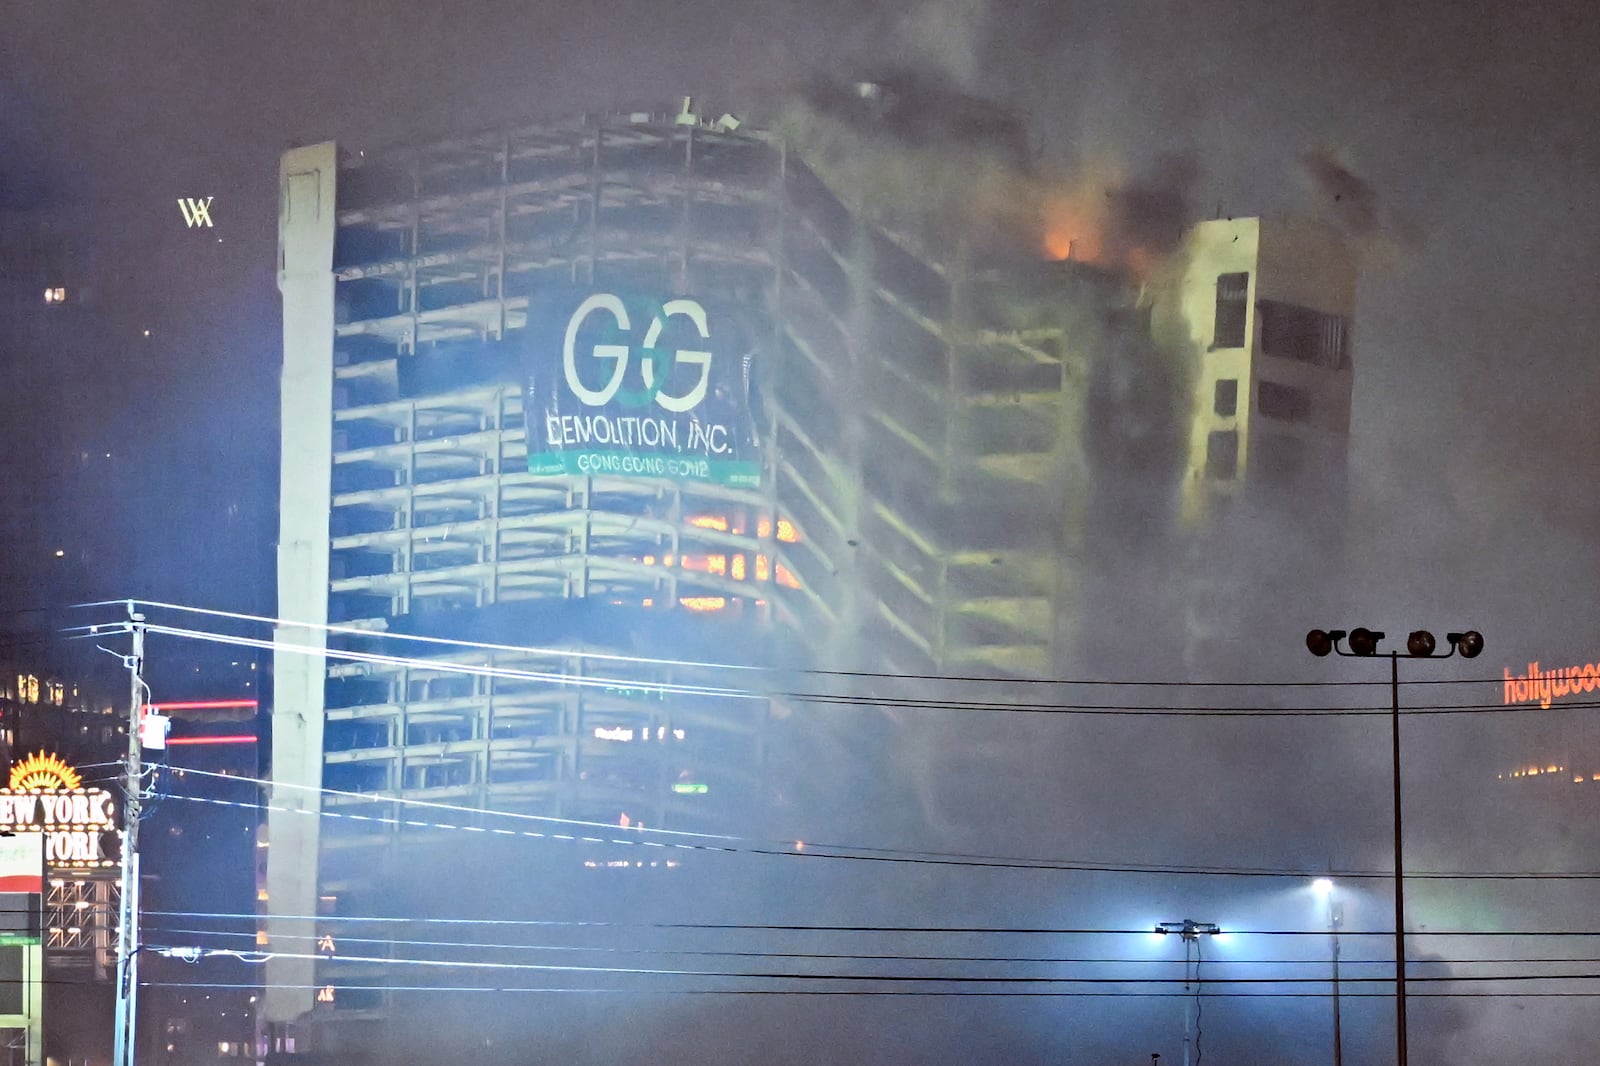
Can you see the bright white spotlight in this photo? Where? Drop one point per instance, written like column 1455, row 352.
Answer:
column 1322, row 886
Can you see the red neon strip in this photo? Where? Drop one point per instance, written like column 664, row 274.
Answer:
column 231, row 738
column 22, row 883
column 202, row 705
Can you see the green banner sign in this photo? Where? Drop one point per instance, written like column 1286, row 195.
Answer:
column 638, row 387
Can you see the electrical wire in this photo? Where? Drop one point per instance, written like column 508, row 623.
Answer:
column 358, row 631
column 251, row 916
column 892, row 978
column 811, row 849
column 973, row 993
column 841, row 699
column 1094, row 960
column 1099, row 960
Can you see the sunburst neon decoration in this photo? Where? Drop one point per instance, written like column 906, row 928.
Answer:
column 43, row 772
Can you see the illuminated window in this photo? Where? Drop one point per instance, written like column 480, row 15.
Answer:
column 738, row 568
column 1227, row 399
column 786, row 531
column 704, row 603
column 763, row 568
column 1232, row 290
column 1222, row 455
column 55, row 295
column 786, row 577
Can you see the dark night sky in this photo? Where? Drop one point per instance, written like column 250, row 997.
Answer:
column 1473, row 123
column 1473, row 126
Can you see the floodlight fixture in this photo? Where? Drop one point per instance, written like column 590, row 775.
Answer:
column 1189, row 929
column 1322, row 886
column 1364, row 641
column 1364, row 644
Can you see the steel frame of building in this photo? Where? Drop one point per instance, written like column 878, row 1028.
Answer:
column 924, row 489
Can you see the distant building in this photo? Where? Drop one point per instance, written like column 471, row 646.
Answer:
column 54, row 731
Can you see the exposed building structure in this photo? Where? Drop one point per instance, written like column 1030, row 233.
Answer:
column 1267, row 306
column 1258, row 312
column 921, row 398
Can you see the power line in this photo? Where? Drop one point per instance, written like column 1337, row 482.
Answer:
column 974, row 993
column 812, row 849
column 817, row 928
column 874, row 957
column 357, row 631
column 842, row 699
column 365, row 633
column 892, row 978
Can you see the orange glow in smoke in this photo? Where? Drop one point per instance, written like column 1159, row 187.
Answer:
column 786, row 577
column 1074, row 221
column 1077, row 223
column 709, row 521
column 1070, row 238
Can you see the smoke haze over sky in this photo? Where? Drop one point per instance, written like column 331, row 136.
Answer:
column 1473, row 125
column 1456, row 142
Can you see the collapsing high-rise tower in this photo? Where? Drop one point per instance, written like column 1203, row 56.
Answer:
column 641, row 390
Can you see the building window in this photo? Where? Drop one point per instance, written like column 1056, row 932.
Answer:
column 55, row 295
column 1222, row 455
column 1231, row 292
column 1227, row 401
column 1283, row 402
column 1306, row 336
column 1277, row 459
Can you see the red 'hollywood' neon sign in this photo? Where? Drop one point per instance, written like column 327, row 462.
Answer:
column 1542, row 686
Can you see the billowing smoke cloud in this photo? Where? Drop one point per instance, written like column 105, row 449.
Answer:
column 947, row 36
column 1340, row 194
column 1149, row 214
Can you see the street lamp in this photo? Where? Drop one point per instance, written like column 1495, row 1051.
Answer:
column 1190, row 932
column 1323, row 887
column 1419, row 645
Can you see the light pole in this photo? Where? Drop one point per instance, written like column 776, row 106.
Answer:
column 1419, row 645
column 1190, row 932
column 1324, row 888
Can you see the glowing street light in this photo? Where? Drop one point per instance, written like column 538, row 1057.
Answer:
column 1324, row 888
column 1419, row 645
column 1190, row 932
